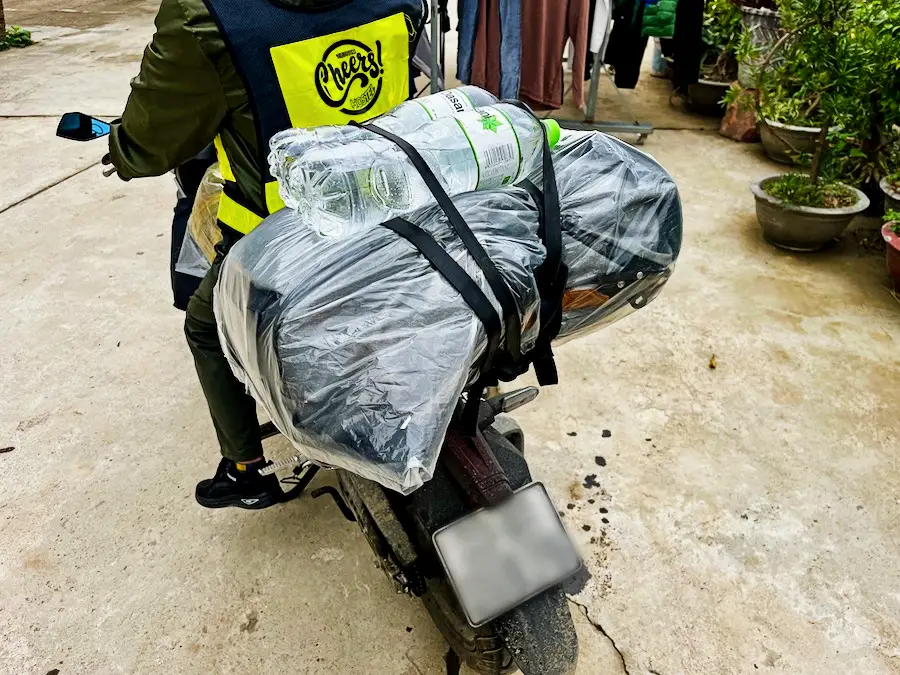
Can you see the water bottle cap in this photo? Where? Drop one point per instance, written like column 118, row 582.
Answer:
column 553, row 131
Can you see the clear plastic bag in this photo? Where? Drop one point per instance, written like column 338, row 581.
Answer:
column 621, row 229
column 358, row 349
column 191, row 259
column 198, row 248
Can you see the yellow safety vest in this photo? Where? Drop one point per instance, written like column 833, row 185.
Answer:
column 305, row 68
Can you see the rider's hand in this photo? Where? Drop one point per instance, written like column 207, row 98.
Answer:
column 107, row 161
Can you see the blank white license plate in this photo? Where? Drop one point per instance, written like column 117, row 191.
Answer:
column 498, row 557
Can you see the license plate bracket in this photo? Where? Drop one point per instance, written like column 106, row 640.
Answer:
column 498, row 557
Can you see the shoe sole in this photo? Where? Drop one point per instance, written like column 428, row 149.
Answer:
column 260, row 503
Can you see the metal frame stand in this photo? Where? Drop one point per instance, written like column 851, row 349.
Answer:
column 588, row 124
column 437, row 49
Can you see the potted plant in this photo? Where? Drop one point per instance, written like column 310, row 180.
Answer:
column 762, row 26
column 790, row 125
column 877, row 153
column 891, row 233
column 799, row 211
column 12, row 36
column 890, row 173
column 719, row 64
column 789, row 99
column 890, row 186
column 788, row 80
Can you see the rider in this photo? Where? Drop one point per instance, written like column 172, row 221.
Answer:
column 235, row 72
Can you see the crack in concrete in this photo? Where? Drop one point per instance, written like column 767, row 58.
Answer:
column 4, row 209
column 413, row 663
column 599, row 627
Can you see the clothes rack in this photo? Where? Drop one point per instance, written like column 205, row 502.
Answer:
column 589, row 124
column 432, row 64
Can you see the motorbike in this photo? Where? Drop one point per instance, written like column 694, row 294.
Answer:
column 481, row 544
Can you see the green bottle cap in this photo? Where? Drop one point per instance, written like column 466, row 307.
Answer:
column 553, row 131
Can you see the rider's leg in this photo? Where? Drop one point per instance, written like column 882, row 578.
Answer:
column 233, row 411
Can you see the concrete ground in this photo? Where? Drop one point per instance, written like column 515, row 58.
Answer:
column 747, row 518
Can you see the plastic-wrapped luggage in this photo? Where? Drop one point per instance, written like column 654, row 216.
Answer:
column 358, row 348
column 621, row 229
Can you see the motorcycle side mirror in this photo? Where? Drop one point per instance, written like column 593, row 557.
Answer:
column 76, row 126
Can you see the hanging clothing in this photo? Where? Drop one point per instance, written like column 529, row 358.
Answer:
column 659, row 18
column 687, row 44
column 485, row 60
column 601, row 25
column 547, row 26
column 627, row 45
column 466, row 22
column 490, row 45
column 601, row 16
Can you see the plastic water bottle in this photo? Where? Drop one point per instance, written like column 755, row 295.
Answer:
column 345, row 185
column 406, row 117
column 410, row 115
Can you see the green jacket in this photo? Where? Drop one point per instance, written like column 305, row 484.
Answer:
column 187, row 92
column 659, row 19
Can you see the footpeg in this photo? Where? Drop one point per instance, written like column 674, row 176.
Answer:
column 338, row 499
column 298, row 461
column 301, row 476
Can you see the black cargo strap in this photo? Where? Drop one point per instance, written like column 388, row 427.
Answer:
column 552, row 274
column 457, row 277
column 549, row 227
column 474, row 297
column 492, row 275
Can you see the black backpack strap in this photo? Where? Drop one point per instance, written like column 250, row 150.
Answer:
column 457, row 277
column 494, row 279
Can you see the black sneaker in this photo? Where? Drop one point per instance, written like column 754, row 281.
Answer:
column 239, row 485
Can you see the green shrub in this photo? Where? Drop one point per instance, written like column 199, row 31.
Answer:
column 796, row 189
column 893, row 219
column 15, row 37
column 722, row 30
column 837, row 64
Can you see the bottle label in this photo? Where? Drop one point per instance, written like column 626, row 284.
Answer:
column 495, row 145
column 445, row 103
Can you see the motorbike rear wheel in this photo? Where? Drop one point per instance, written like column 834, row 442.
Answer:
column 537, row 637
column 481, row 649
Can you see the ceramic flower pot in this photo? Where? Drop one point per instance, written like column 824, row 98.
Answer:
column 802, row 228
column 782, row 142
column 705, row 97
column 891, row 196
column 892, row 253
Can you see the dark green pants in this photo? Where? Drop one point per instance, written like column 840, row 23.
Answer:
column 233, row 410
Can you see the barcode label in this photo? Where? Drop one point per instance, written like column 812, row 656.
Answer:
column 498, row 154
column 495, row 145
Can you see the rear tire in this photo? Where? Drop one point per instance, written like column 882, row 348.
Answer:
column 507, row 427
column 481, row 649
